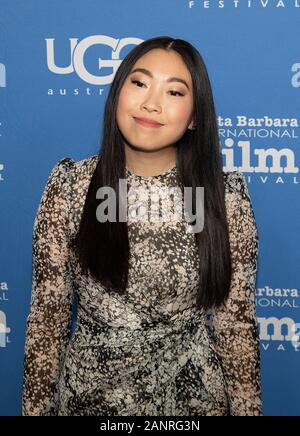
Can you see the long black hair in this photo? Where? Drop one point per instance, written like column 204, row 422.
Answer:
column 103, row 247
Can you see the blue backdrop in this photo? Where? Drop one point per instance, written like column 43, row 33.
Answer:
column 57, row 60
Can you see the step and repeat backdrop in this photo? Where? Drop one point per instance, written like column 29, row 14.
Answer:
column 57, row 61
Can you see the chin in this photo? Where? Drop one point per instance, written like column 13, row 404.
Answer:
column 142, row 145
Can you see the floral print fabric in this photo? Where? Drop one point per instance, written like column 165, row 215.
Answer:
column 148, row 352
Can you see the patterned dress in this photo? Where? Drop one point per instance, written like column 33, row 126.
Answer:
column 148, row 352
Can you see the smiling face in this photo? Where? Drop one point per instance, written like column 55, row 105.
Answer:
column 151, row 91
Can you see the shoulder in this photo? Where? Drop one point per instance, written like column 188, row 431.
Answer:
column 68, row 183
column 68, row 167
column 235, row 183
column 66, row 164
column 69, row 176
column 87, row 165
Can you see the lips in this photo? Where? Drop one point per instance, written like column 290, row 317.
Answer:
column 147, row 123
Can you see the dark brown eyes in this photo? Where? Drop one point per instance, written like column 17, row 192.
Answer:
column 140, row 84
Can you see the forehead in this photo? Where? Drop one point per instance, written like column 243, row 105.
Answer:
column 163, row 64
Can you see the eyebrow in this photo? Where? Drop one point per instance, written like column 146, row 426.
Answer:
column 170, row 79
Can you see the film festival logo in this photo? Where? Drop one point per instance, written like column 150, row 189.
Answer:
column 296, row 77
column 2, row 76
column 236, row 4
column 4, row 330
column 78, row 50
column 3, row 292
column 275, row 331
column 296, row 337
column 281, row 330
column 155, row 205
column 279, row 162
column 277, row 297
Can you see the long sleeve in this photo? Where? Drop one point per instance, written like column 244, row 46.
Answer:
column 49, row 320
column 235, row 323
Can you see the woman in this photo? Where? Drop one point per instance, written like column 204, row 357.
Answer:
column 142, row 345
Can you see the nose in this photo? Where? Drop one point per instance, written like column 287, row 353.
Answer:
column 152, row 102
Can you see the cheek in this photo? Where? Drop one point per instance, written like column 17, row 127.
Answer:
column 180, row 113
column 122, row 102
column 127, row 99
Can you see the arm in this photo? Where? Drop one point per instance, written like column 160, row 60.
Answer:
column 235, row 323
column 48, row 323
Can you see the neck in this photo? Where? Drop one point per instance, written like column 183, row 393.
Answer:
column 150, row 163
